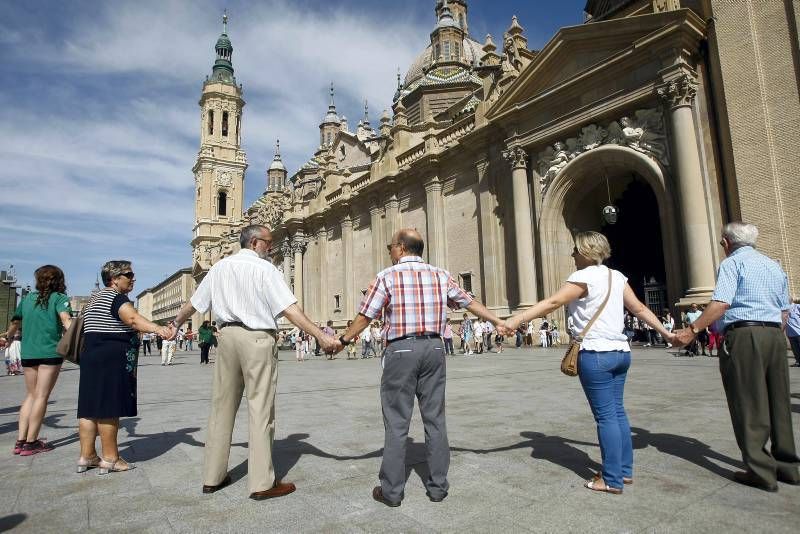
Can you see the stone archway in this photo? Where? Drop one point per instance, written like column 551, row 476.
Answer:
column 579, row 178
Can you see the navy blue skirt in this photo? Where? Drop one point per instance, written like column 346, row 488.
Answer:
column 108, row 376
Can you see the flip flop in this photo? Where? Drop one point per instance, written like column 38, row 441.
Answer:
column 625, row 480
column 592, row 485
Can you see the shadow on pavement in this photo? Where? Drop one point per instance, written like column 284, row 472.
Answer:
column 8, row 522
column 149, row 446
column 689, row 449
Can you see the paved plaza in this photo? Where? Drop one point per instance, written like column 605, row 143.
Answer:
column 522, row 439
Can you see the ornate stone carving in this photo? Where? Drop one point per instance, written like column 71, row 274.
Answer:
column 286, row 249
column 223, row 178
column 679, row 92
column 643, row 133
column 516, row 156
column 660, row 6
column 299, row 245
column 271, row 212
column 512, row 62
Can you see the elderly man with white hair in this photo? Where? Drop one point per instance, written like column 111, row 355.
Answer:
column 752, row 300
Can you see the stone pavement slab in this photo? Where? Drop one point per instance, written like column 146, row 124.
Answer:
column 522, row 438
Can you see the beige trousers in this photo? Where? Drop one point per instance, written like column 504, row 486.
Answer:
column 247, row 362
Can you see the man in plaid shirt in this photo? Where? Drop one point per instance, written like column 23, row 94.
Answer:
column 413, row 298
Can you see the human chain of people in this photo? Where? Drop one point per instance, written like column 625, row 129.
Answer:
column 404, row 316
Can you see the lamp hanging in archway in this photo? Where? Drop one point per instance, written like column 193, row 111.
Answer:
column 610, row 212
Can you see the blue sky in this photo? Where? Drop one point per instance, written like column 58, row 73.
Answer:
column 100, row 123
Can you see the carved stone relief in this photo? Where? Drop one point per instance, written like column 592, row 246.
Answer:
column 644, row 133
column 270, row 214
column 223, row 178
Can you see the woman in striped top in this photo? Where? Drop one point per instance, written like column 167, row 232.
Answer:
column 107, row 388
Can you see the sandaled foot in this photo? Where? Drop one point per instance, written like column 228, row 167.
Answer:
column 625, row 480
column 115, row 466
column 84, row 464
column 600, row 486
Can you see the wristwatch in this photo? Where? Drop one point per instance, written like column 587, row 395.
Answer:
column 343, row 342
column 695, row 331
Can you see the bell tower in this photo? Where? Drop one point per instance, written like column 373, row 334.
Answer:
column 221, row 163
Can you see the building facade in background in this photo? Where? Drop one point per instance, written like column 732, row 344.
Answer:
column 161, row 303
column 655, row 122
column 8, row 297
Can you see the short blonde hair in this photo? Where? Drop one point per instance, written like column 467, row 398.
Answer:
column 593, row 246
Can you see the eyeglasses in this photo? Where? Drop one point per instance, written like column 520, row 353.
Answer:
column 389, row 246
column 129, row 275
column 267, row 241
column 722, row 242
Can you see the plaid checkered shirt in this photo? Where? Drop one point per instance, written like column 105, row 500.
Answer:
column 414, row 297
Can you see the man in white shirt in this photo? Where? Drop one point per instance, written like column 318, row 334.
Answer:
column 488, row 330
column 167, row 351
column 247, row 294
column 478, row 329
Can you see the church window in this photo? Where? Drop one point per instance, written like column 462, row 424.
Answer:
column 329, row 138
column 222, row 203
column 342, row 150
column 437, row 51
column 466, row 281
column 447, row 50
column 457, row 52
column 337, row 302
column 238, row 128
column 211, row 122
column 461, row 21
column 224, row 124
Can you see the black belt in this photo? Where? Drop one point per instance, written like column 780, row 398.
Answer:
column 416, row 336
column 242, row 325
column 743, row 324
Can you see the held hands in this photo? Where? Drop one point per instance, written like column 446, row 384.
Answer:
column 682, row 337
column 511, row 324
column 503, row 329
column 167, row 332
column 3, row 342
column 330, row 345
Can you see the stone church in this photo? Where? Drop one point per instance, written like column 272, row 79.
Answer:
column 654, row 122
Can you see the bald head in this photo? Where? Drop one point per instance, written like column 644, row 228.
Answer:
column 411, row 240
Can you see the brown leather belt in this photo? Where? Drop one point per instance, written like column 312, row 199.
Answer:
column 744, row 324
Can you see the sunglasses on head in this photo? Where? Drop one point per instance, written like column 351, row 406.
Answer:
column 129, row 275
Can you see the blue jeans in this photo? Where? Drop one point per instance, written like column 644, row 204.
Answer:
column 602, row 376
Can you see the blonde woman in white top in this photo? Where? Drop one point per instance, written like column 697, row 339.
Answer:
column 605, row 354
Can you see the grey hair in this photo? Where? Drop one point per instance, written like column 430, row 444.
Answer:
column 249, row 233
column 740, row 234
column 112, row 269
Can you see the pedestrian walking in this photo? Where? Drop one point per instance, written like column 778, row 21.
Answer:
column 246, row 293
column 189, row 339
column 466, row 334
column 205, row 339
column 447, row 336
column 146, row 340
column 751, row 299
column 107, row 388
column 596, row 291
column 692, row 315
column 793, row 331
column 168, row 351
column 414, row 297
column 366, row 342
column 13, row 355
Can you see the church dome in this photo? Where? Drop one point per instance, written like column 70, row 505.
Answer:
column 472, row 51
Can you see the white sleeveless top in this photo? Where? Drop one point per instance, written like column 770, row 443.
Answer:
column 606, row 333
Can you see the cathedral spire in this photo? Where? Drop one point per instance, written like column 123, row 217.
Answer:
column 332, row 117
column 223, row 66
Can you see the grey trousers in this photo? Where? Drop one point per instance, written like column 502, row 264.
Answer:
column 414, row 368
column 755, row 375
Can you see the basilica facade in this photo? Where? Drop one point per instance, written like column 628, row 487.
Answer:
column 654, row 122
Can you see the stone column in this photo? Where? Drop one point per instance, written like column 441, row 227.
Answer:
column 324, row 302
column 378, row 250
column 434, row 213
column 299, row 248
column 679, row 95
column 490, row 240
column 392, row 224
column 347, row 264
column 523, row 228
column 286, row 252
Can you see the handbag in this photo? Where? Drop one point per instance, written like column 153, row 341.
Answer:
column 71, row 344
column 569, row 364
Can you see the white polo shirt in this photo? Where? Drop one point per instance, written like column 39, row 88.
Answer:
column 244, row 288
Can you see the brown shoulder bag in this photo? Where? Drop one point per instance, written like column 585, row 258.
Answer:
column 569, row 365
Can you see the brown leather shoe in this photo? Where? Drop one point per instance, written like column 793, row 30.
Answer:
column 750, row 479
column 211, row 489
column 377, row 494
column 278, row 490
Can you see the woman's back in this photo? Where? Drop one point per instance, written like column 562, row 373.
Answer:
column 606, row 333
column 42, row 324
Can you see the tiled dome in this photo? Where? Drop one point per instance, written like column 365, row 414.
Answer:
column 472, row 51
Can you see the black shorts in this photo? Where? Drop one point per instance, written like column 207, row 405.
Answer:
column 41, row 361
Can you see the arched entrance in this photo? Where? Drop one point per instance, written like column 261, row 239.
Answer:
column 644, row 239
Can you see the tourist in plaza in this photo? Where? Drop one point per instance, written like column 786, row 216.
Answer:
column 13, row 355
column 205, row 339
column 159, row 342
column 555, row 337
column 299, row 337
column 189, row 339
column 447, row 337
column 179, row 340
column 168, row 351
column 488, row 335
column 466, row 335
column 247, row 293
column 107, row 387
column 366, row 342
column 498, row 341
column 529, row 329
column 520, row 335
column 146, row 338
column 543, row 338
column 477, row 331
column 692, row 314
column 793, row 331
column 669, row 325
column 43, row 315
column 414, row 297
column 604, row 352
column 377, row 339
column 752, row 300
column 351, row 348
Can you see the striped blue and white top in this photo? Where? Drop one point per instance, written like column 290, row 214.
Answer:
column 101, row 315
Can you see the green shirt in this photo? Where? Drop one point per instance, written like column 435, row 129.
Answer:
column 41, row 327
column 205, row 335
